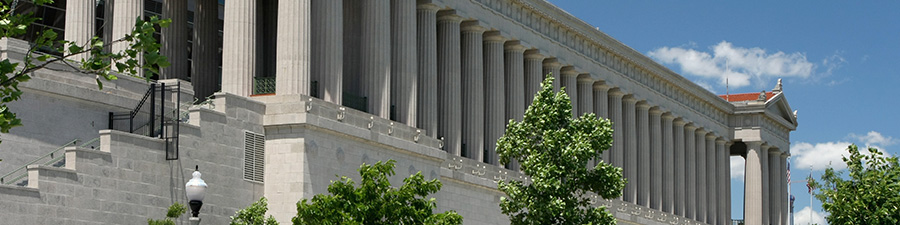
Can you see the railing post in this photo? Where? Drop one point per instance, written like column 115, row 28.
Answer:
column 162, row 110
column 111, row 120
column 152, row 110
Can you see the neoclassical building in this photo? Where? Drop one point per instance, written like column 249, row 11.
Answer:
column 304, row 90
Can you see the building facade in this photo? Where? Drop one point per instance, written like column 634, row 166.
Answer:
column 309, row 89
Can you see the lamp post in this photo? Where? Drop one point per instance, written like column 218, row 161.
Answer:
column 195, row 190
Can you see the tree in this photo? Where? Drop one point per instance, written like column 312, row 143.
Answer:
column 13, row 24
column 375, row 201
column 175, row 211
column 554, row 150
column 871, row 195
column 255, row 214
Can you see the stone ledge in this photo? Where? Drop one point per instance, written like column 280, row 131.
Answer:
column 35, row 172
column 74, row 152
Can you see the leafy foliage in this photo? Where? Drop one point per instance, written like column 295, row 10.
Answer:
column 141, row 44
column 553, row 150
column 871, row 195
column 255, row 214
column 375, row 201
column 175, row 211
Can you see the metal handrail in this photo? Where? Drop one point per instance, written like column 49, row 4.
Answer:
column 4, row 180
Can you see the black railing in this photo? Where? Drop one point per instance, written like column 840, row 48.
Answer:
column 263, row 85
column 355, row 101
column 168, row 123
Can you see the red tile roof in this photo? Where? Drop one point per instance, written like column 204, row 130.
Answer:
column 745, row 96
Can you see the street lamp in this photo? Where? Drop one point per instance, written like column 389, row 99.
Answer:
column 195, row 190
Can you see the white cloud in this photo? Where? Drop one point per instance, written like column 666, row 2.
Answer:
column 873, row 138
column 809, row 216
column 736, row 64
column 819, row 156
column 705, row 85
column 737, row 168
column 834, row 62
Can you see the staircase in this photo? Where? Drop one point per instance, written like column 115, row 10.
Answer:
column 55, row 159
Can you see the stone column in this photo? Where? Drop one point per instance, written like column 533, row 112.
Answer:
column 473, row 90
column 205, row 78
column 426, row 45
column 727, row 198
column 126, row 11
column 292, row 65
column 239, row 48
column 569, row 81
column 514, row 70
column 700, row 176
column 774, row 190
column 80, row 24
column 375, row 56
column 690, row 165
column 534, row 63
column 449, row 92
column 617, row 152
column 668, row 166
column 552, row 66
column 680, row 201
column 403, row 61
column 494, row 98
column 328, row 48
column 723, row 167
column 631, row 149
column 753, row 186
column 783, row 191
column 585, row 95
column 642, row 164
column 764, row 176
column 601, row 108
column 174, row 40
column 711, row 181
column 656, row 159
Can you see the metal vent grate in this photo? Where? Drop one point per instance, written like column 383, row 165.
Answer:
column 254, row 156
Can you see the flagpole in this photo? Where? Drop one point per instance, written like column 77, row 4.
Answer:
column 810, row 195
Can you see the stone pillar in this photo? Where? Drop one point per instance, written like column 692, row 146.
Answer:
column 764, row 176
column 375, row 56
column 292, row 65
column 80, row 24
column 680, row 182
column 774, row 190
column 723, row 167
column 631, row 149
column 174, row 40
column 642, row 164
column 473, row 90
column 700, row 168
column 711, row 181
column 206, row 78
column 656, row 159
column 514, row 70
column 426, row 45
column 239, row 45
column 617, row 152
column 494, row 98
column 690, row 171
column 328, row 49
column 601, row 107
column 585, row 95
column 783, row 191
column 569, row 81
column 753, row 186
column 534, row 63
column 668, row 166
column 727, row 198
column 449, row 110
column 552, row 66
column 403, row 61
column 126, row 11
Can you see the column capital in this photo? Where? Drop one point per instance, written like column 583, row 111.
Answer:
column 629, row 98
column 700, row 131
column 616, row 92
column 601, row 86
column 448, row 16
column 679, row 121
column 585, row 78
column 493, row 36
column 568, row 71
column 552, row 63
column 774, row 151
column 655, row 110
column 514, row 46
column 690, row 126
column 764, row 146
column 721, row 141
column 472, row 26
column 428, row 7
column 533, row 54
column 643, row 105
column 784, row 155
column 668, row 116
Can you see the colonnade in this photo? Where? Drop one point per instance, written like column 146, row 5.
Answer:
column 460, row 79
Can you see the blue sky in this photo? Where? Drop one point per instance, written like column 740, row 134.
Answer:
column 840, row 61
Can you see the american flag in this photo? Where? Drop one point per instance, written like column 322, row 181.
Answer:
column 789, row 173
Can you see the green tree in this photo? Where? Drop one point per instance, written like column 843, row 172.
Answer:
column 255, row 214
column 375, row 201
column 871, row 195
column 175, row 211
column 554, row 149
column 15, row 24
